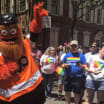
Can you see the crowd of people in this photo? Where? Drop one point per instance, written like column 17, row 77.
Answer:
column 82, row 70
column 20, row 61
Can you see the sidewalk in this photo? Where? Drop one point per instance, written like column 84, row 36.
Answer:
column 54, row 96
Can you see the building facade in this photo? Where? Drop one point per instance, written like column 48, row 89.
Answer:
column 88, row 29
column 18, row 7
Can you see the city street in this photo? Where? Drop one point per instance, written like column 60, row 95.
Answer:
column 41, row 40
column 54, row 96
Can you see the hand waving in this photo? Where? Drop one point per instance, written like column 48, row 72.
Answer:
column 36, row 24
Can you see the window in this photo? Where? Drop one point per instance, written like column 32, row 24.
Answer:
column 99, row 16
column 88, row 16
column 81, row 11
column 55, row 6
column 54, row 35
column 22, row 5
column 94, row 16
column 45, row 4
column 7, row 6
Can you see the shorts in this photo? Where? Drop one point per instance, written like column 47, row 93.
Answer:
column 75, row 84
column 95, row 85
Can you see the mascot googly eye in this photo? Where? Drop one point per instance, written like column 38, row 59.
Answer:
column 13, row 31
column 12, row 41
column 4, row 32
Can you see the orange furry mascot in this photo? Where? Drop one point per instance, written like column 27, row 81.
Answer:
column 20, row 79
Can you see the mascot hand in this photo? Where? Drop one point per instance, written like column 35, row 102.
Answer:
column 36, row 24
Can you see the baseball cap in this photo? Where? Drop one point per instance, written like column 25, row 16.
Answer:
column 74, row 42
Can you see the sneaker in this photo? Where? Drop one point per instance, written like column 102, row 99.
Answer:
column 59, row 98
column 56, row 99
column 49, row 97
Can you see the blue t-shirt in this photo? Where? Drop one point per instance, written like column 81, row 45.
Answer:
column 73, row 59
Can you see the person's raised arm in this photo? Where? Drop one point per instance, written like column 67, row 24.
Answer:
column 36, row 24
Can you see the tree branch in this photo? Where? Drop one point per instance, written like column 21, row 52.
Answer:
column 91, row 8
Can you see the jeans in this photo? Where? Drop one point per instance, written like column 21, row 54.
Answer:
column 48, row 82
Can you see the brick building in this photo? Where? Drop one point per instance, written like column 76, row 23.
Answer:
column 88, row 29
column 20, row 7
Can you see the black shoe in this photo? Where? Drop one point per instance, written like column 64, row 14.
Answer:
column 59, row 98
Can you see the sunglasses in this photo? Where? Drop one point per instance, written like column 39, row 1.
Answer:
column 73, row 46
column 93, row 46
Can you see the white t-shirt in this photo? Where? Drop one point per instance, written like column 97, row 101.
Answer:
column 96, row 63
column 49, row 63
column 87, row 54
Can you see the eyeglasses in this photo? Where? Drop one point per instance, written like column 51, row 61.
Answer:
column 74, row 46
column 93, row 46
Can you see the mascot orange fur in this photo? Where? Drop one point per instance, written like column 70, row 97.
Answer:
column 21, row 81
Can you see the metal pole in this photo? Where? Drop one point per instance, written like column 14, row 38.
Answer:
column 14, row 6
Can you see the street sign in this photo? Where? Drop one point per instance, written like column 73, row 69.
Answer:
column 47, row 22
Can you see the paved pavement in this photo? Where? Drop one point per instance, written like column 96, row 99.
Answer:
column 54, row 96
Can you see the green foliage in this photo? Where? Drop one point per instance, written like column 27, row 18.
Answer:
column 89, row 4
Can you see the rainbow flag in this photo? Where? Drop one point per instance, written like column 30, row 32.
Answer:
column 73, row 59
column 98, row 64
column 48, row 60
column 60, row 70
